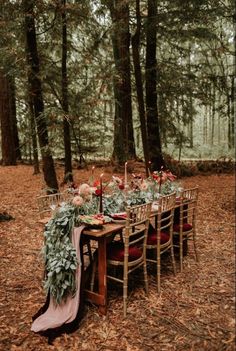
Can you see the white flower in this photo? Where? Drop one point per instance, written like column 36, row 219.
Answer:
column 85, row 190
column 77, row 201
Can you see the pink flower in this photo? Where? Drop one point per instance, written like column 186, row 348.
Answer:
column 84, row 190
column 144, row 186
column 162, row 176
column 77, row 201
column 170, row 176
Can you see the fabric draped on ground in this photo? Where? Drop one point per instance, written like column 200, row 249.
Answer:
column 53, row 316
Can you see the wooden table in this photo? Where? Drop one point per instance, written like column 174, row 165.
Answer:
column 102, row 237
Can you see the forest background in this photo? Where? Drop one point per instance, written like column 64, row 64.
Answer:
column 116, row 80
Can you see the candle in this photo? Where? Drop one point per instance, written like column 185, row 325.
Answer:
column 100, row 198
column 149, row 168
column 91, row 179
column 126, row 173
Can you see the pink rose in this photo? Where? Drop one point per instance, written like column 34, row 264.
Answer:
column 84, row 190
column 77, row 201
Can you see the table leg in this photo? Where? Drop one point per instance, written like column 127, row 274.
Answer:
column 102, row 271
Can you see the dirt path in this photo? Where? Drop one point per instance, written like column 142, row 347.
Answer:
column 195, row 310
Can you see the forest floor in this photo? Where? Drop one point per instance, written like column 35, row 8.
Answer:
column 195, row 310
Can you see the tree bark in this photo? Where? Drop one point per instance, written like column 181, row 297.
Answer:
column 153, row 128
column 122, row 81
column 14, row 119
column 139, row 85
column 7, row 135
column 33, row 137
column 65, row 106
column 37, row 97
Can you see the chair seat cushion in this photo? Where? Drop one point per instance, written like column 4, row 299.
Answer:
column 152, row 238
column 186, row 227
column 116, row 251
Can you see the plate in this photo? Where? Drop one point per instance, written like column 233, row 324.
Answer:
column 94, row 221
column 118, row 216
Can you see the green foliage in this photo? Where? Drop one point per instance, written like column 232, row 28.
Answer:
column 60, row 255
column 195, row 45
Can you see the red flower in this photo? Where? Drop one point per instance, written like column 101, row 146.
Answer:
column 121, row 186
column 98, row 192
column 96, row 183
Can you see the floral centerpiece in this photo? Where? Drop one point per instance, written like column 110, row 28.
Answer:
column 115, row 196
column 163, row 181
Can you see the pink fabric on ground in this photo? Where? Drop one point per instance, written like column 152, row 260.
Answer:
column 57, row 315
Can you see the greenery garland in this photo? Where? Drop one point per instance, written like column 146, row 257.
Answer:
column 59, row 254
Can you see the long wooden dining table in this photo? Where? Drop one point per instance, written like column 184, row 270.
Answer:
column 103, row 237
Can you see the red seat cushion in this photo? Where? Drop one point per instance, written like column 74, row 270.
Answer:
column 116, row 251
column 152, row 238
column 186, row 227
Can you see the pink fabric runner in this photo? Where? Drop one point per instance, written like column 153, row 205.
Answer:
column 57, row 315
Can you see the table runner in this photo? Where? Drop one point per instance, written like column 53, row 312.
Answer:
column 58, row 315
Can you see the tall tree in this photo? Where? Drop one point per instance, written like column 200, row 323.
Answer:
column 139, row 84
column 14, row 119
column 37, row 96
column 119, row 10
column 7, row 134
column 33, row 134
column 153, row 128
column 64, row 89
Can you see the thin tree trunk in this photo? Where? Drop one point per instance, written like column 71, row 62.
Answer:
column 190, row 101
column 213, row 113
column 14, row 120
column 33, row 137
column 65, row 106
column 139, row 85
column 153, row 128
column 37, row 97
column 7, row 136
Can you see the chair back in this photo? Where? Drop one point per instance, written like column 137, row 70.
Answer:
column 188, row 205
column 48, row 203
column 165, row 216
column 136, row 228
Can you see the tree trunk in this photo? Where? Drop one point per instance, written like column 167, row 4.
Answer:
column 119, row 154
column 14, row 120
column 7, row 135
column 139, row 85
column 122, row 81
column 65, row 106
column 33, row 137
column 153, row 128
column 190, row 101
column 37, row 97
column 213, row 113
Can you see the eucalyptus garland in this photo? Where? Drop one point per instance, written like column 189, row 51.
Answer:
column 59, row 254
